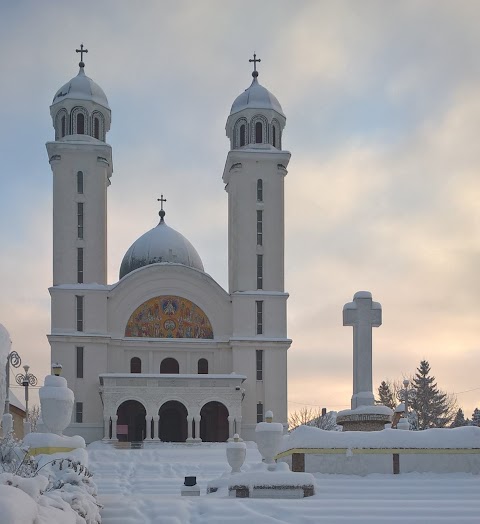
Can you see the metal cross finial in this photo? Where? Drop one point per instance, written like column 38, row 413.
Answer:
column 81, row 51
column 254, row 60
column 161, row 212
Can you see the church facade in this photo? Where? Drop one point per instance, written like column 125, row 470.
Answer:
column 166, row 353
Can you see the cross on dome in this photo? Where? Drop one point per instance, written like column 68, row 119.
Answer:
column 81, row 51
column 254, row 60
column 161, row 212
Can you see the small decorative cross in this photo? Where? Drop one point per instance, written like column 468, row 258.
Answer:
column 161, row 200
column 254, row 60
column 81, row 51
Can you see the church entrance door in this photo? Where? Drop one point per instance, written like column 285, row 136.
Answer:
column 131, row 424
column 173, row 422
column 214, row 422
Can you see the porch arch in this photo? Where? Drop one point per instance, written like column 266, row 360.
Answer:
column 131, row 423
column 172, row 424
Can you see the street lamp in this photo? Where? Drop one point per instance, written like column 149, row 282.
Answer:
column 14, row 360
column 25, row 380
column 57, row 369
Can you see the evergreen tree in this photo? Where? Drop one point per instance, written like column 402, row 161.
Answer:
column 434, row 408
column 475, row 417
column 459, row 420
column 386, row 396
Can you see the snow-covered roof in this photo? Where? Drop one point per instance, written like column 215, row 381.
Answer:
column 15, row 401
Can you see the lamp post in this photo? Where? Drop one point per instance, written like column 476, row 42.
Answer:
column 14, row 360
column 404, row 394
column 25, row 380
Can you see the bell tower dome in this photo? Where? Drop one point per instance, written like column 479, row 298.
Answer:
column 80, row 107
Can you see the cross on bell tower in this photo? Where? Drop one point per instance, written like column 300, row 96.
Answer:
column 161, row 212
column 81, row 51
column 255, row 60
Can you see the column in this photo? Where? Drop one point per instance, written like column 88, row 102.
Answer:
column 114, row 427
column 189, row 428
column 106, row 428
column 238, row 426
column 156, row 418
column 148, row 424
column 197, row 419
column 230, row 427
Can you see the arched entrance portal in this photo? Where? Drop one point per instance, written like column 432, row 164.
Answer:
column 173, row 422
column 214, row 422
column 131, row 425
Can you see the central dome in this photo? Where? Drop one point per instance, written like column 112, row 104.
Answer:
column 162, row 244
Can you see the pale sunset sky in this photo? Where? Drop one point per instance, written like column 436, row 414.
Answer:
column 382, row 101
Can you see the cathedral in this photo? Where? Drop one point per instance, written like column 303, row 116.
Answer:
column 166, row 354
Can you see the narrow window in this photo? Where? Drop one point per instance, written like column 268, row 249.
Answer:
column 79, row 412
column 203, row 366
column 80, row 265
column 259, row 364
column 63, row 130
column 80, row 219
column 135, row 365
column 169, row 365
column 80, row 124
column 258, row 133
column 80, row 182
column 274, row 136
column 259, row 271
column 79, row 351
column 259, row 190
column 242, row 135
column 259, row 308
column 96, row 127
column 259, row 412
column 79, row 307
column 259, row 228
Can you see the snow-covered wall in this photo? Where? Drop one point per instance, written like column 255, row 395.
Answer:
column 361, row 453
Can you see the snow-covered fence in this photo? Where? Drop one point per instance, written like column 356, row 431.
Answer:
column 389, row 451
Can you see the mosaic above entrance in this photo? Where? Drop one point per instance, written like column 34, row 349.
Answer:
column 169, row 317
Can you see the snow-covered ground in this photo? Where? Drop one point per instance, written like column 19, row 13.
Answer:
column 143, row 487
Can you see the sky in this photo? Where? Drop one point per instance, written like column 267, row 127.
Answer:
column 382, row 102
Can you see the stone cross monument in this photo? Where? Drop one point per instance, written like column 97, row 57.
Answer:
column 362, row 314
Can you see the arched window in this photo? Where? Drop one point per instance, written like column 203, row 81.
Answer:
column 80, row 182
column 80, row 124
column 135, row 365
column 96, row 128
column 258, row 133
column 242, row 135
column 274, row 136
column 203, row 366
column 259, row 190
column 169, row 365
column 63, row 130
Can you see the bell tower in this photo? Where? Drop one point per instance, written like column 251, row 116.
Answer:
column 254, row 176
column 81, row 163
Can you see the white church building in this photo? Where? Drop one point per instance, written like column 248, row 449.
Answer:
column 166, row 353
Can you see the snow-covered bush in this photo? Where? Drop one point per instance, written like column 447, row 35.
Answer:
column 61, row 483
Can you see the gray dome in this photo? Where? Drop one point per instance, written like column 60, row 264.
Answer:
column 256, row 97
column 81, row 87
column 160, row 244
